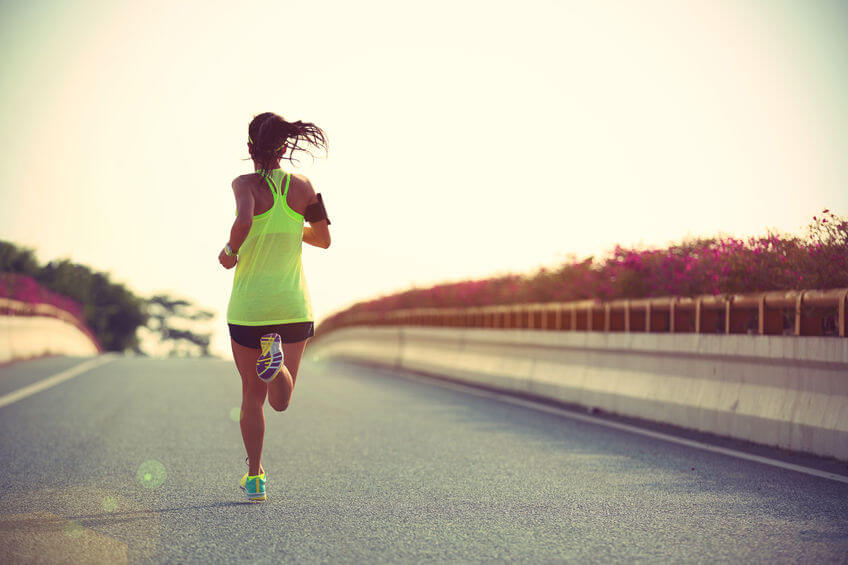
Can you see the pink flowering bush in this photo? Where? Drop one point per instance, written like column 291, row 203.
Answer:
column 717, row 265
column 25, row 289
column 110, row 311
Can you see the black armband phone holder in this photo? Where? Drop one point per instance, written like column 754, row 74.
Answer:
column 316, row 212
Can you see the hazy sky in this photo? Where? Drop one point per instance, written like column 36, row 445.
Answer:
column 466, row 138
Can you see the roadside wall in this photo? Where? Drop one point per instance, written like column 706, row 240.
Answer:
column 23, row 337
column 784, row 391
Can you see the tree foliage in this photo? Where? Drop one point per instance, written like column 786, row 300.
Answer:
column 109, row 309
column 14, row 259
column 175, row 324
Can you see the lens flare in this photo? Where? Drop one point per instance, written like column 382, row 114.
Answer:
column 73, row 529
column 151, row 474
column 318, row 364
column 79, row 528
column 110, row 504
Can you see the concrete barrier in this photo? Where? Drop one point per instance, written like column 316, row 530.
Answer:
column 784, row 391
column 24, row 337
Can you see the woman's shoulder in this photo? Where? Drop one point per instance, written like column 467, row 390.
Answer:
column 247, row 180
column 299, row 178
column 302, row 182
column 301, row 193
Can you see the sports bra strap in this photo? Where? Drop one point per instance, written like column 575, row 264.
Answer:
column 272, row 185
column 288, row 180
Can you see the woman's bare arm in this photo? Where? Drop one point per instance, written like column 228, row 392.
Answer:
column 244, row 214
column 313, row 236
column 316, row 233
column 241, row 226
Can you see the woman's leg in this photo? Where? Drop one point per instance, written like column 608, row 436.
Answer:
column 280, row 389
column 253, row 392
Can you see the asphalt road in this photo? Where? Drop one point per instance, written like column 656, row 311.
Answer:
column 140, row 460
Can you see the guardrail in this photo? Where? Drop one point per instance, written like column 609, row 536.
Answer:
column 777, row 390
column 793, row 312
column 11, row 307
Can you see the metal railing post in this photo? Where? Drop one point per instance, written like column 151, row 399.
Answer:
column 727, row 309
column 842, row 322
column 648, row 317
column 798, row 303
column 672, row 315
column 698, row 315
column 761, row 314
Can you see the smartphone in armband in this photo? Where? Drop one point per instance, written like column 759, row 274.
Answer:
column 316, row 212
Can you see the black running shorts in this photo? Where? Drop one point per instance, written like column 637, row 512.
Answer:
column 249, row 336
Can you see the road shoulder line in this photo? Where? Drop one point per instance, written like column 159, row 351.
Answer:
column 564, row 412
column 58, row 378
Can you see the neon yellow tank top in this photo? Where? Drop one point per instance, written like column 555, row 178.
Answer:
column 269, row 286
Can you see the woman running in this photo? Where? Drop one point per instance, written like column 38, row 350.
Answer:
column 270, row 314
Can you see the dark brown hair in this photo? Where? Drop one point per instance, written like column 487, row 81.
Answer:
column 269, row 134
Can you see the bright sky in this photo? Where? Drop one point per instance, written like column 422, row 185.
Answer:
column 467, row 138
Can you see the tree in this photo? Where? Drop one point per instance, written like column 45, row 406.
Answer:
column 14, row 259
column 110, row 310
column 176, row 327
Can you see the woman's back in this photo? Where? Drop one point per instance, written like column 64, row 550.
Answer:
column 299, row 195
column 269, row 286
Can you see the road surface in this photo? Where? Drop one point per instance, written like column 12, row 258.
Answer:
column 139, row 460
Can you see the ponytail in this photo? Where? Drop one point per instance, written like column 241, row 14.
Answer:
column 269, row 135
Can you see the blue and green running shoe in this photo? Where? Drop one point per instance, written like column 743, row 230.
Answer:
column 254, row 487
column 270, row 361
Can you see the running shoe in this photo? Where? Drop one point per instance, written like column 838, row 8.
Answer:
column 270, row 361
column 253, row 487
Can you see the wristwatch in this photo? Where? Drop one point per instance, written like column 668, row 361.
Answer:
column 229, row 250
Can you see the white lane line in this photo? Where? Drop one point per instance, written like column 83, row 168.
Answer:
column 54, row 380
column 628, row 428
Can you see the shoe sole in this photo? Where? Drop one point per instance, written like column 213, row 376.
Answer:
column 270, row 361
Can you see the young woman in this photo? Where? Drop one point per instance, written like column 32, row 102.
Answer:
column 270, row 314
